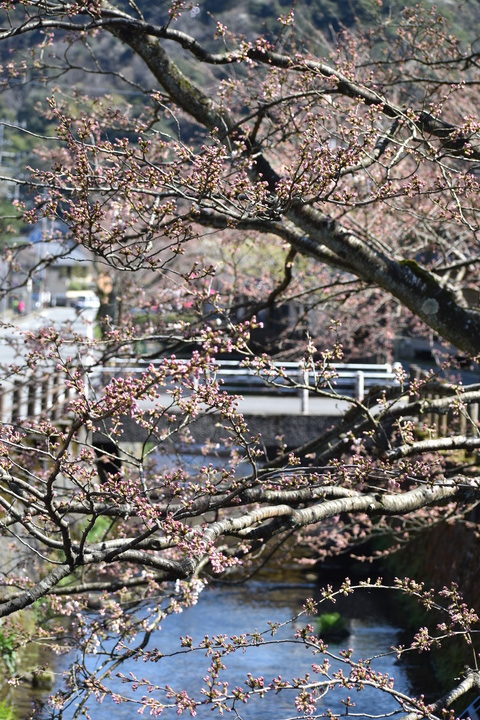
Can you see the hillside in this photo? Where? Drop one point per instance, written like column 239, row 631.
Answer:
column 317, row 16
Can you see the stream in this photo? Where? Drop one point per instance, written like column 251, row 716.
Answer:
column 243, row 608
column 233, row 610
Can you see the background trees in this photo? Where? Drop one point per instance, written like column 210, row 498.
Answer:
column 245, row 171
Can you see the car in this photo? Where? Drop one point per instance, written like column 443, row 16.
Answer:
column 59, row 301
column 84, row 302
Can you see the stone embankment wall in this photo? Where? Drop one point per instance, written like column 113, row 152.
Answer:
column 273, row 430
column 444, row 554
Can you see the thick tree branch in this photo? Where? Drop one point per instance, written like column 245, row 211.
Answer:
column 285, row 230
column 470, row 682
column 419, row 290
column 455, row 442
column 415, row 287
column 9, row 606
column 131, row 30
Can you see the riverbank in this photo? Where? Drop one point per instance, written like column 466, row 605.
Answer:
column 440, row 556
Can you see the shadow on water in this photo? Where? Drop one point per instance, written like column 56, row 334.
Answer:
column 26, row 699
column 373, row 611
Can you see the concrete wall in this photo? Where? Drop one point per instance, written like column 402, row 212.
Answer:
column 272, row 430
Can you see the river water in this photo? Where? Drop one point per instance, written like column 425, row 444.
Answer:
column 233, row 610
column 236, row 609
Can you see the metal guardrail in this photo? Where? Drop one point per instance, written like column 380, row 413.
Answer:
column 350, row 379
column 472, row 711
column 46, row 393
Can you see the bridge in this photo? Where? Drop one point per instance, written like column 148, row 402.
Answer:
column 279, row 402
column 286, row 389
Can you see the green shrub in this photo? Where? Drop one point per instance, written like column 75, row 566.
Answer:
column 8, row 652
column 332, row 625
column 6, row 711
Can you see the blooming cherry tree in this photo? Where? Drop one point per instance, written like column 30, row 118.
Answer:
column 246, row 173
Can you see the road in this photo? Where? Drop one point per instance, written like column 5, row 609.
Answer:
column 11, row 346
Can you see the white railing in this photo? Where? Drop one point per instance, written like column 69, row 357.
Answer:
column 351, row 379
column 29, row 396
column 284, row 389
column 285, row 378
column 46, row 392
